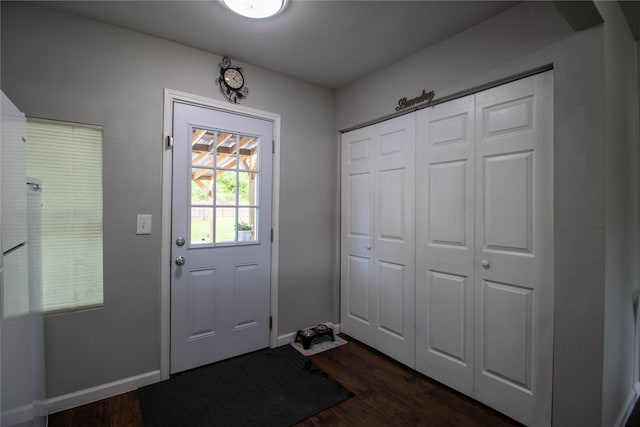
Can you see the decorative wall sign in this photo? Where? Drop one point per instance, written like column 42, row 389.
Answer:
column 424, row 97
column 231, row 81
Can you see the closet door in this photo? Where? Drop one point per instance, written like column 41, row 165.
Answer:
column 445, row 243
column 514, row 249
column 378, row 242
column 394, row 238
column 357, row 252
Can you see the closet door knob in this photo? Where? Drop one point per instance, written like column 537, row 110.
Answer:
column 368, row 247
column 485, row 264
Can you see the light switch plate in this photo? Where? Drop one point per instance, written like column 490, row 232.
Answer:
column 143, row 224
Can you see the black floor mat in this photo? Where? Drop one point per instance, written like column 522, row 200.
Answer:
column 277, row 387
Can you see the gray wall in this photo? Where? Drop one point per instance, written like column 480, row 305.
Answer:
column 527, row 36
column 473, row 57
column 63, row 67
column 59, row 66
column 622, row 211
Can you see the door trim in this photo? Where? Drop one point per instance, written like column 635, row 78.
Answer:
column 171, row 96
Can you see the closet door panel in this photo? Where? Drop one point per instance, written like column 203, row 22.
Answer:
column 447, row 315
column 359, row 205
column 514, row 249
column 391, row 206
column 445, row 243
column 448, row 203
column 357, row 262
column 508, row 328
column 359, row 280
column 508, row 202
column 391, row 299
column 394, row 243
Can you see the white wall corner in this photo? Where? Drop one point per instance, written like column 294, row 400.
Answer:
column 19, row 415
column 93, row 394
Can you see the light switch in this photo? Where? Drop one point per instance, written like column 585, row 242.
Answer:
column 144, row 224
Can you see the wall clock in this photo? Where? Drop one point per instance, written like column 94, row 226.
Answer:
column 231, row 81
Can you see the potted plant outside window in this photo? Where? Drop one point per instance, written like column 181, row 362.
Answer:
column 244, row 231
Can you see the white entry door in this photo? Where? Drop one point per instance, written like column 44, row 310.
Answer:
column 378, row 242
column 514, row 248
column 221, row 235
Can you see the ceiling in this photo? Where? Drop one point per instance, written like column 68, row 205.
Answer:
column 329, row 43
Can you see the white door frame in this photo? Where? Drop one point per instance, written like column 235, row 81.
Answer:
column 171, row 96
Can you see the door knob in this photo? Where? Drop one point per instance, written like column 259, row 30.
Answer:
column 368, row 247
column 485, row 264
column 180, row 260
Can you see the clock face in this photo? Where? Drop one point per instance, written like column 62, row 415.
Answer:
column 233, row 78
column 231, row 81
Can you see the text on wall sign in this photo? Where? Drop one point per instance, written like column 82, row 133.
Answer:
column 424, row 97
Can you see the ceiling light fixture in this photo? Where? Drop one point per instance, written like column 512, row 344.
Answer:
column 256, row 8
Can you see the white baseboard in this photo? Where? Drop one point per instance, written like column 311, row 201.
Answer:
column 627, row 408
column 20, row 415
column 93, row 394
column 291, row 336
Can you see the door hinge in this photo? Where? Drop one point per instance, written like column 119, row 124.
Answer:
column 270, row 322
column 273, row 146
column 169, row 141
column 272, row 235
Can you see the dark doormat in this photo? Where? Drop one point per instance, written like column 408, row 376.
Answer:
column 277, row 387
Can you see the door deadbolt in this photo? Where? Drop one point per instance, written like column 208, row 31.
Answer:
column 180, row 241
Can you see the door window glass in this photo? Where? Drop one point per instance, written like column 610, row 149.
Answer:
column 224, row 188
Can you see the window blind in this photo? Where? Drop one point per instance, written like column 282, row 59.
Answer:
column 67, row 159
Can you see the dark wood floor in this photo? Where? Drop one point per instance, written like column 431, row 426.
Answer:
column 386, row 394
